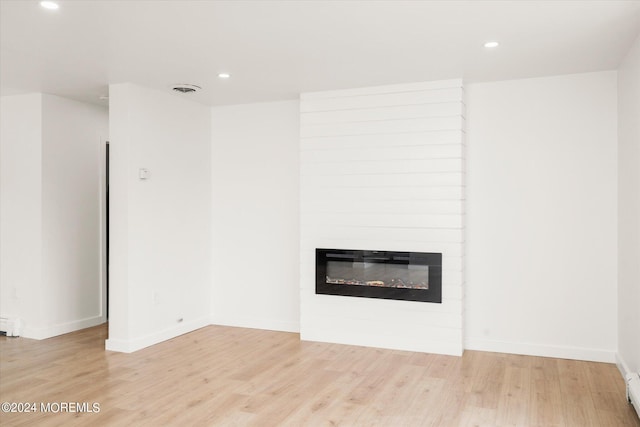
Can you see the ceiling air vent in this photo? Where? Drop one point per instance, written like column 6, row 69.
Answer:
column 185, row 88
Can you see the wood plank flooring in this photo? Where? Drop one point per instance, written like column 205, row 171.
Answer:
column 223, row 376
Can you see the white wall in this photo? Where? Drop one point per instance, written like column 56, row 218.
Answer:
column 542, row 216
column 21, row 208
column 629, row 209
column 160, row 228
column 51, row 266
column 383, row 169
column 255, row 174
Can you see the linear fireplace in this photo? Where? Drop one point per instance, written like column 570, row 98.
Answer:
column 410, row 276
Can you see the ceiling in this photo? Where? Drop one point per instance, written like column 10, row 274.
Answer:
column 277, row 49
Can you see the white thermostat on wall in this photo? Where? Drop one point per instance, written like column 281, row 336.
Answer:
column 143, row 173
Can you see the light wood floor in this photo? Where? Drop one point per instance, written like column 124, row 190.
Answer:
column 224, row 376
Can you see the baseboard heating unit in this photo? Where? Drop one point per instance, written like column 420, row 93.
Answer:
column 633, row 390
column 10, row 326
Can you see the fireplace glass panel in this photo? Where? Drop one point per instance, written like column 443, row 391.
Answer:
column 378, row 274
column 411, row 276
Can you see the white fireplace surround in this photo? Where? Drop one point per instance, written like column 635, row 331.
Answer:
column 382, row 168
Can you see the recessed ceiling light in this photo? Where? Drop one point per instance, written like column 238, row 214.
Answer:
column 224, row 75
column 491, row 44
column 49, row 5
column 103, row 97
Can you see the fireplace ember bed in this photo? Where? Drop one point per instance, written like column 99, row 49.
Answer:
column 409, row 276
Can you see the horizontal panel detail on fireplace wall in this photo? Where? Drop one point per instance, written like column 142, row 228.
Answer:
column 409, row 276
column 386, row 89
column 444, row 109
column 429, row 235
column 396, row 125
column 398, row 207
column 383, row 168
column 373, row 154
column 368, row 192
column 372, row 219
column 436, row 185
column 388, row 140
column 311, row 103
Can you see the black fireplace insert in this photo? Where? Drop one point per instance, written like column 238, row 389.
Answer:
column 409, row 276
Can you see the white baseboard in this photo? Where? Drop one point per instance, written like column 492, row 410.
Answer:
column 265, row 324
column 448, row 347
column 622, row 366
column 135, row 344
column 561, row 352
column 121, row 346
column 61, row 328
